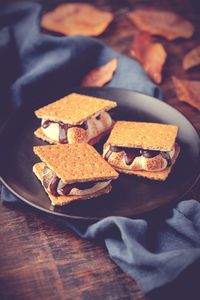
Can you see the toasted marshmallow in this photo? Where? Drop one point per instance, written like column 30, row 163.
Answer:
column 97, row 187
column 155, row 164
column 142, row 163
column 96, row 125
column 52, row 131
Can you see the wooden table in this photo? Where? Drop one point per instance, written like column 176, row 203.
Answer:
column 41, row 259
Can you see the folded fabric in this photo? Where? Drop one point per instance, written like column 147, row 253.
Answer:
column 38, row 66
column 153, row 253
column 41, row 66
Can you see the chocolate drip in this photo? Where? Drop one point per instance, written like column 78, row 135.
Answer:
column 65, row 189
column 132, row 153
column 166, row 156
column 149, row 153
column 108, row 154
column 50, row 181
column 112, row 149
column 85, row 185
column 53, row 185
column 63, row 128
column 84, row 125
column 47, row 123
column 57, row 187
column 47, row 176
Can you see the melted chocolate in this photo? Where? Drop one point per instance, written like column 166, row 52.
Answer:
column 149, row 153
column 166, row 156
column 53, row 185
column 132, row 153
column 47, row 123
column 65, row 189
column 98, row 117
column 50, row 181
column 112, row 149
column 56, row 187
column 47, row 176
column 63, row 128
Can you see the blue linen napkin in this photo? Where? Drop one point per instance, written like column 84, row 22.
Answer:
column 40, row 66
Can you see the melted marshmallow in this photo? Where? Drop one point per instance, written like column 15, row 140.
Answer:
column 95, row 127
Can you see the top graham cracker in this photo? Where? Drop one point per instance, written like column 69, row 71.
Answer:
column 74, row 108
column 75, row 162
column 152, row 136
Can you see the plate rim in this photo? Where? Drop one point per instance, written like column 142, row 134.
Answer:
column 92, row 219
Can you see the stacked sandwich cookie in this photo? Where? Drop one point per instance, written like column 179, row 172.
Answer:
column 72, row 172
column 144, row 149
column 72, row 169
column 75, row 119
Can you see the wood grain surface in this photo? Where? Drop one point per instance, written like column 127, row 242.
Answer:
column 39, row 257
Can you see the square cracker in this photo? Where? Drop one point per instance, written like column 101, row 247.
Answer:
column 74, row 108
column 62, row 200
column 162, row 175
column 75, row 162
column 152, row 136
column 40, row 134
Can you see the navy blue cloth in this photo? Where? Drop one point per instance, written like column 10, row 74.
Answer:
column 40, row 66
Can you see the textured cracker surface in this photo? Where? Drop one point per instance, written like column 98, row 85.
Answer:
column 74, row 108
column 63, row 200
column 40, row 134
column 162, row 175
column 75, row 162
column 152, row 136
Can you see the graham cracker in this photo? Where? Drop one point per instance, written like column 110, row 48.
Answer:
column 62, row 200
column 150, row 136
column 74, row 109
column 40, row 134
column 161, row 175
column 75, row 162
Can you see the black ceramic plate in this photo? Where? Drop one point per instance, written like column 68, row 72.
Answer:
column 131, row 196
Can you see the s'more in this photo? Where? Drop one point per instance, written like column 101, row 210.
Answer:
column 75, row 119
column 72, row 172
column 144, row 149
